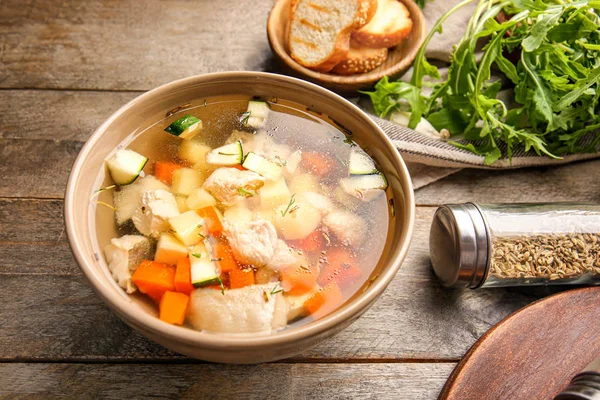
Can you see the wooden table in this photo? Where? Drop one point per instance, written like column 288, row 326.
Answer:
column 65, row 66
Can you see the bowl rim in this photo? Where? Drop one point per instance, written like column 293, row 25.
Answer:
column 144, row 321
column 365, row 78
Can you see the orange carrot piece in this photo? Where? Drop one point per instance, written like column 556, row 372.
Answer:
column 238, row 167
column 239, row 278
column 318, row 163
column 163, row 171
column 340, row 268
column 226, row 262
column 312, row 243
column 324, row 300
column 154, row 278
column 183, row 277
column 212, row 220
column 298, row 280
column 172, row 307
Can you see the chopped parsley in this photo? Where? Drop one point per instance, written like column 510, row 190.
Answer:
column 197, row 255
column 245, row 193
column 245, row 117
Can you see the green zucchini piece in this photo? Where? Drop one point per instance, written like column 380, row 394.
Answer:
column 365, row 187
column 203, row 270
column 262, row 166
column 230, row 154
column 185, row 127
column 125, row 166
column 361, row 164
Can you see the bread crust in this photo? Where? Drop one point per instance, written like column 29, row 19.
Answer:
column 365, row 11
column 368, row 38
column 360, row 61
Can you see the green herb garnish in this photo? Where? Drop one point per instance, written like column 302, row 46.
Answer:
column 97, row 192
column 547, row 50
column 350, row 142
column 197, row 255
column 277, row 289
column 244, row 117
column 222, row 286
column 289, row 206
column 106, row 205
column 245, row 193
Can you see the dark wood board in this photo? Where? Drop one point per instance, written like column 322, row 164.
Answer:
column 533, row 353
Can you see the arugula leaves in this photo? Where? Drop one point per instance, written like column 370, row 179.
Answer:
column 549, row 51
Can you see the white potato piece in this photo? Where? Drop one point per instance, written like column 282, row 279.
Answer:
column 200, row 198
column 274, row 194
column 304, row 183
column 298, row 221
column 169, row 249
column 252, row 309
column 181, row 203
column 185, row 181
column 238, row 215
column 123, row 256
column 348, row 227
column 296, row 305
column 194, row 152
column 318, row 201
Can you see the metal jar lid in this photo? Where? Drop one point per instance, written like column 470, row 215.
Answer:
column 458, row 243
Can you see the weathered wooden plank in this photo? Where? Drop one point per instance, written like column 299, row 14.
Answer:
column 32, row 221
column 56, row 115
column 198, row 381
column 57, row 316
column 36, row 168
column 573, row 182
column 143, row 44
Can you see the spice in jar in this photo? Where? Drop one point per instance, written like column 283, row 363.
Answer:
column 506, row 245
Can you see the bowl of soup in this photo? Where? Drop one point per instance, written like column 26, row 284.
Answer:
column 239, row 217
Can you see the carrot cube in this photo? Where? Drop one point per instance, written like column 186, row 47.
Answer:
column 298, row 280
column 340, row 268
column 324, row 301
column 239, row 278
column 163, row 171
column 212, row 220
column 224, row 257
column 172, row 307
column 154, row 278
column 183, row 277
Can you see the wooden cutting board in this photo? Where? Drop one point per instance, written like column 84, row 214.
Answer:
column 533, row 353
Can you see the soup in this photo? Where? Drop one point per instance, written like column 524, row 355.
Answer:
column 240, row 215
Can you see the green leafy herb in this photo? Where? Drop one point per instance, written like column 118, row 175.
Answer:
column 289, row 206
column 276, row 289
column 106, row 205
column 197, row 255
column 245, row 193
column 350, row 141
column 549, row 50
column 97, row 192
column 221, row 284
column 245, row 116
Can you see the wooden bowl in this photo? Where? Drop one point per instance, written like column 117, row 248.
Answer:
column 399, row 59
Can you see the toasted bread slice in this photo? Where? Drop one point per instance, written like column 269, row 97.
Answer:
column 389, row 26
column 361, row 60
column 319, row 30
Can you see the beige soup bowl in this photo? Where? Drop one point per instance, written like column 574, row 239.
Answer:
column 87, row 234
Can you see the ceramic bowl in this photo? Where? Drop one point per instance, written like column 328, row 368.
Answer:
column 87, row 233
column 400, row 57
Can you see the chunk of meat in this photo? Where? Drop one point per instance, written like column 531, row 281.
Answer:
column 252, row 243
column 123, row 256
column 226, row 184
column 252, row 309
column 348, row 227
column 151, row 216
column 283, row 257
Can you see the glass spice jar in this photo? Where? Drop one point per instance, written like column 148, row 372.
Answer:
column 516, row 244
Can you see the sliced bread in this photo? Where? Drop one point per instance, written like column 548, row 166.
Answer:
column 389, row 26
column 361, row 60
column 319, row 30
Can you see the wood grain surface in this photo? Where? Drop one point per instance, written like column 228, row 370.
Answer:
column 65, row 66
column 533, row 353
